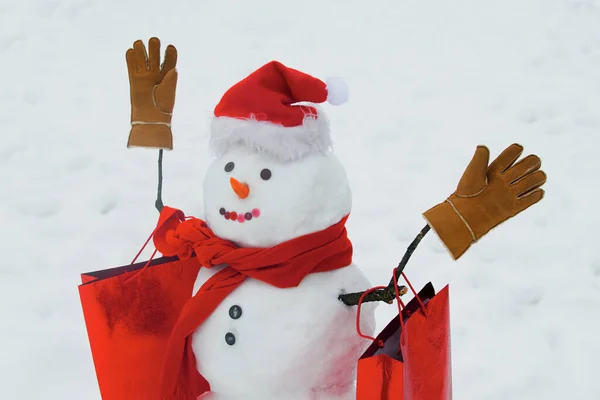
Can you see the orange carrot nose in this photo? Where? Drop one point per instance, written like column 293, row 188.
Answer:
column 241, row 189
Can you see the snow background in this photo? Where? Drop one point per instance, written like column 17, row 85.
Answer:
column 429, row 80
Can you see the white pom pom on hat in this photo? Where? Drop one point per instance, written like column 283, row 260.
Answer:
column 261, row 112
column 337, row 91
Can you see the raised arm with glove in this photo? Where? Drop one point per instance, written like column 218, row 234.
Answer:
column 152, row 91
column 486, row 196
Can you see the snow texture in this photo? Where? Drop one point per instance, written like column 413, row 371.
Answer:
column 430, row 80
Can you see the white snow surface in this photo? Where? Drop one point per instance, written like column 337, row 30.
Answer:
column 430, row 80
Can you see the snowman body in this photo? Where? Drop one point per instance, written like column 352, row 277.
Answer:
column 264, row 342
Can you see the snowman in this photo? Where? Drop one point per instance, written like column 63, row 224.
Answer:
column 275, row 190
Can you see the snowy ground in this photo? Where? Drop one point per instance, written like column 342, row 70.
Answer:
column 429, row 81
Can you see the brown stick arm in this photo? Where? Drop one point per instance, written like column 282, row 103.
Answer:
column 159, row 203
column 388, row 294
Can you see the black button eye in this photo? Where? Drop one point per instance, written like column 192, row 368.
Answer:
column 229, row 166
column 265, row 174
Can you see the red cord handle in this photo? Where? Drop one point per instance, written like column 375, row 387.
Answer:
column 399, row 302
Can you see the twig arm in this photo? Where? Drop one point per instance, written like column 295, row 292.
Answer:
column 388, row 294
column 409, row 251
column 159, row 203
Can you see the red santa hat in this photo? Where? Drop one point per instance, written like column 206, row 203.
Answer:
column 261, row 112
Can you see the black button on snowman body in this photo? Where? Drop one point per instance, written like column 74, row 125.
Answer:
column 230, row 338
column 235, row 312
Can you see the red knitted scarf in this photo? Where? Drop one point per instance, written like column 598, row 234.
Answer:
column 283, row 266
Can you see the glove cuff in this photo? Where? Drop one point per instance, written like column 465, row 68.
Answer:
column 150, row 135
column 450, row 227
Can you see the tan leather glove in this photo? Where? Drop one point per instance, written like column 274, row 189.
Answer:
column 152, row 90
column 486, row 197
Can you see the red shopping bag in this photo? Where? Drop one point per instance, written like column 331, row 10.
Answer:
column 410, row 358
column 129, row 313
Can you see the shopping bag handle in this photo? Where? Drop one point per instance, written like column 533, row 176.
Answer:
column 399, row 303
column 360, row 302
column 169, row 217
column 396, row 289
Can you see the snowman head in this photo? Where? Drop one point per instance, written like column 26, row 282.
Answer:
column 255, row 200
column 275, row 177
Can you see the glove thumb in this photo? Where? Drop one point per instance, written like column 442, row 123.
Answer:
column 164, row 94
column 474, row 179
